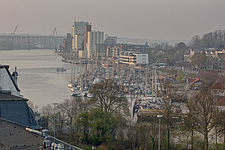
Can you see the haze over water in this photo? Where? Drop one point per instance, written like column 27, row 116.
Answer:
column 38, row 79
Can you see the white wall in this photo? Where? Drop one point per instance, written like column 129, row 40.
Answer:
column 6, row 84
column 142, row 58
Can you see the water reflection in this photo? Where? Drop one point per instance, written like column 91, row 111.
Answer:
column 38, row 79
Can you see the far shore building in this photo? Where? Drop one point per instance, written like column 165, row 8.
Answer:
column 111, row 49
column 94, row 37
column 215, row 55
column 79, row 36
column 68, row 44
column 133, row 58
column 105, row 49
column 138, row 48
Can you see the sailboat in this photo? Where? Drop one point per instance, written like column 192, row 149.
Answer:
column 75, row 89
column 72, row 82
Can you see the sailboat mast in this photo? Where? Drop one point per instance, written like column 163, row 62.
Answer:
column 155, row 83
column 146, row 80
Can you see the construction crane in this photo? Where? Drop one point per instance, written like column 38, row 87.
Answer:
column 14, row 31
column 53, row 34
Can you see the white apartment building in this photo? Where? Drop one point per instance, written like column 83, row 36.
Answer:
column 133, row 58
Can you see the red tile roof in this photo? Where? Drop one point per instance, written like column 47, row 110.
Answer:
column 192, row 81
column 218, row 85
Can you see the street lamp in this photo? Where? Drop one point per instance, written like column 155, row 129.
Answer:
column 54, row 117
column 159, row 116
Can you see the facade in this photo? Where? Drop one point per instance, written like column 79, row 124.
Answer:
column 68, row 43
column 87, row 29
column 105, row 50
column 144, row 49
column 116, row 51
column 218, row 91
column 94, row 37
column 111, row 40
column 133, row 58
column 100, row 50
column 78, row 34
column 188, row 55
column 141, row 48
column 214, row 55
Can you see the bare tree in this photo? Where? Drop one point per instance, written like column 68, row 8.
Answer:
column 202, row 111
column 47, row 113
column 109, row 97
column 171, row 112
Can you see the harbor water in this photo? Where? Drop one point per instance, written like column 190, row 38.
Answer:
column 38, row 78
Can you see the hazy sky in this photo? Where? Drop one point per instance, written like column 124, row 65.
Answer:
column 150, row 19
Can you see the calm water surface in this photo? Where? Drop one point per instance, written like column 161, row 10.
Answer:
column 38, row 79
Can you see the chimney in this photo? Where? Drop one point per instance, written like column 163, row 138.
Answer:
column 15, row 75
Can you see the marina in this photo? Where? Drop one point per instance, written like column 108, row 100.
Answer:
column 139, row 84
column 55, row 79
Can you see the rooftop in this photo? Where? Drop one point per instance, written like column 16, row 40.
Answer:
column 8, row 97
column 15, row 137
column 218, row 85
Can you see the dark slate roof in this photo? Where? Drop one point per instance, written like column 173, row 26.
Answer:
column 8, row 97
column 15, row 137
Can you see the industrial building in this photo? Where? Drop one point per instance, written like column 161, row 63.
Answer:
column 94, row 37
column 19, row 41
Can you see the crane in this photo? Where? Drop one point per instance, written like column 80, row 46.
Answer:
column 53, row 34
column 14, row 31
